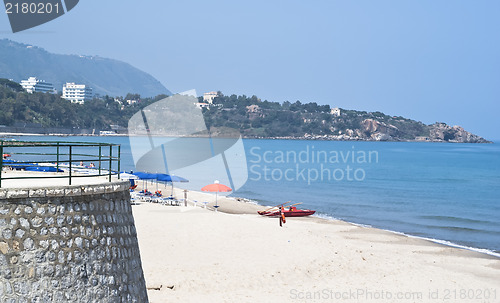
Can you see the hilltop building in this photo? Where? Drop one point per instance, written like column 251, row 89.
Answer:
column 209, row 97
column 77, row 93
column 335, row 111
column 34, row 85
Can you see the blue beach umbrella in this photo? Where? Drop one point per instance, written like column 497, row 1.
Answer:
column 145, row 176
column 171, row 179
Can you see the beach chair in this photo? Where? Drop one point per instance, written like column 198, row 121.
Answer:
column 156, row 199
column 142, row 197
column 132, row 184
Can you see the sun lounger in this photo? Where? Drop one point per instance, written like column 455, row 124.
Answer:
column 132, row 184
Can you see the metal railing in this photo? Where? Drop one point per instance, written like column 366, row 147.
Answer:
column 103, row 159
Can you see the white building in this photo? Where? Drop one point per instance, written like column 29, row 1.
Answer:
column 77, row 93
column 335, row 111
column 209, row 97
column 202, row 105
column 34, row 85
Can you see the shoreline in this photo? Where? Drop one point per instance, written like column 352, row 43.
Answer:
column 247, row 138
column 192, row 254
column 442, row 242
column 447, row 243
column 245, row 206
column 58, row 135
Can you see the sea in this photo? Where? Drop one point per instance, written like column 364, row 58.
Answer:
column 445, row 192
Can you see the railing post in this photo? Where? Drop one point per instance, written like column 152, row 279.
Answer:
column 110, row 161
column 119, row 159
column 1, row 163
column 57, row 160
column 99, row 159
column 70, row 162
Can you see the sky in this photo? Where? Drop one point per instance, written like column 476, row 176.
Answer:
column 426, row 60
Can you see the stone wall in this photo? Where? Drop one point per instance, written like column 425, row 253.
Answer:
column 69, row 244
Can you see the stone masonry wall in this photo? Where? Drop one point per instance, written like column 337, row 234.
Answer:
column 69, row 244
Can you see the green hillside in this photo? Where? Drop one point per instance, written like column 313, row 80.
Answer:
column 252, row 117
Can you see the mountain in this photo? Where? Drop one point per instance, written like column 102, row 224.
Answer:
column 106, row 76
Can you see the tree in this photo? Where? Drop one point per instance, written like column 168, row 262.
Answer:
column 296, row 107
column 11, row 84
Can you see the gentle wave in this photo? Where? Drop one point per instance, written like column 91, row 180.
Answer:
column 457, row 219
column 461, row 229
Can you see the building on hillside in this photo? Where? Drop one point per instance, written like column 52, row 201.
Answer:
column 209, row 97
column 34, row 85
column 77, row 93
column 202, row 105
column 335, row 111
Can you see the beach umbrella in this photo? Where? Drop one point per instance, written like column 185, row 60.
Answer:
column 217, row 188
column 130, row 177
column 145, row 176
column 171, row 179
column 124, row 175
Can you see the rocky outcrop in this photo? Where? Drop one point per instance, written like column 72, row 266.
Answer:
column 373, row 130
column 443, row 132
column 378, row 131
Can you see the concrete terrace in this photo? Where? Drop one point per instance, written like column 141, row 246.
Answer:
column 42, row 179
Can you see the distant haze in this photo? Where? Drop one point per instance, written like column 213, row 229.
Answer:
column 105, row 76
column 429, row 60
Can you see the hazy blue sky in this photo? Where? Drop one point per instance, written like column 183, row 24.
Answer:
column 424, row 59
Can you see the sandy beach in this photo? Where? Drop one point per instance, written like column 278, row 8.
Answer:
column 193, row 254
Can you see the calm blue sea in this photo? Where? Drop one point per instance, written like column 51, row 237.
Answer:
column 442, row 191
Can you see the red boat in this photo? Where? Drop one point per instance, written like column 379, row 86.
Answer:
column 288, row 212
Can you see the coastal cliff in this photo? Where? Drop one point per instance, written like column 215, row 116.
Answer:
column 263, row 119
column 438, row 132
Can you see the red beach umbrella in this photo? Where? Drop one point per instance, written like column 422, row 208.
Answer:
column 217, row 188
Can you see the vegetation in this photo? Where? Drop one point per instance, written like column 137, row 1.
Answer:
column 50, row 110
column 256, row 118
column 252, row 117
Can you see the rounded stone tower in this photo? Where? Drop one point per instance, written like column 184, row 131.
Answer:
column 69, row 244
